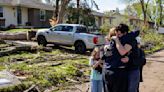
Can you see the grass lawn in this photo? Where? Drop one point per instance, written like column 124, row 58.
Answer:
column 21, row 30
column 40, row 68
column 57, row 68
column 17, row 30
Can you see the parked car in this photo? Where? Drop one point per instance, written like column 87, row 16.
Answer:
column 70, row 35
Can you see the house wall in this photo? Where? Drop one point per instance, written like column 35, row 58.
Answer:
column 34, row 18
column 49, row 15
column 9, row 15
column 117, row 19
column 99, row 21
column 24, row 15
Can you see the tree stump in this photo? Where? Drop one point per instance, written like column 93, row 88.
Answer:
column 31, row 34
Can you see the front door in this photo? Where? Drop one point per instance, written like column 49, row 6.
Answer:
column 19, row 16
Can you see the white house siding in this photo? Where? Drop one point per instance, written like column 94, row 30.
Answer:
column 24, row 16
column 118, row 19
column 9, row 15
column 96, row 21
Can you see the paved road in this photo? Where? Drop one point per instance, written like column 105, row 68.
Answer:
column 154, row 73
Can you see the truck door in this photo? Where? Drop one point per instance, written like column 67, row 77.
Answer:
column 55, row 34
column 67, row 35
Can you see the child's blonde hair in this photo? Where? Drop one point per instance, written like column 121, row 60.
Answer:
column 111, row 33
column 95, row 51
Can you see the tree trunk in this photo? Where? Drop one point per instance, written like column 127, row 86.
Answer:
column 13, row 36
column 56, row 8
column 143, row 10
column 161, row 9
column 63, row 6
column 78, row 4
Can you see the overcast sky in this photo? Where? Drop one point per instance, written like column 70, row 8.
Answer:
column 106, row 5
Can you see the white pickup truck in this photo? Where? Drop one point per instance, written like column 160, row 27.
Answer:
column 70, row 35
column 161, row 30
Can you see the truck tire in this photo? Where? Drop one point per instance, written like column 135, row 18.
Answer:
column 41, row 40
column 80, row 47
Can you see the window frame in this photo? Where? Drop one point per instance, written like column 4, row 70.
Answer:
column 80, row 28
column 1, row 11
column 42, row 14
column 66, row 27
column 54, row 28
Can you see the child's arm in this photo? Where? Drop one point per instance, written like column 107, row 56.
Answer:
column 101, row 65
column 92, row 64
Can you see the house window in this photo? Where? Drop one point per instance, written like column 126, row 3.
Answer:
column 131, row 22
column 42, row 15
column 1, row 11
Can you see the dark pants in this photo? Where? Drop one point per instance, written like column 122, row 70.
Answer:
column 133, row 80
column 115, row 80
column 141, row 78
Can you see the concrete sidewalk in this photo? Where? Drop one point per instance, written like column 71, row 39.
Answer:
column 153, row 73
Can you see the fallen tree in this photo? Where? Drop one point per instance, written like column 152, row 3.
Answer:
column 13, row 36
column 15, row 49
column 18, row 36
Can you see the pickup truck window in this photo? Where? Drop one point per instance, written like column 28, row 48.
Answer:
column 67, row 28
column 81, row 29
column 57, row 28
column 63, row 28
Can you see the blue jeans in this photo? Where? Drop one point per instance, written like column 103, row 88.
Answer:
column 96, row 85
column 133, row 80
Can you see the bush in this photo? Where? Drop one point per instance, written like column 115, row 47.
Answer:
column 105, row 28
column 11, row 26
column 28, row 23
column 152, row 37
column 152, row 40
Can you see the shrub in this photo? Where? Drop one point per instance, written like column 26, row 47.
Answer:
column 105, row 28
column 152, row 41
column 11, row 26
column 152, row 37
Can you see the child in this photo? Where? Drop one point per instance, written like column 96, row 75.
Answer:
column 109, row 36
column 96, row 71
